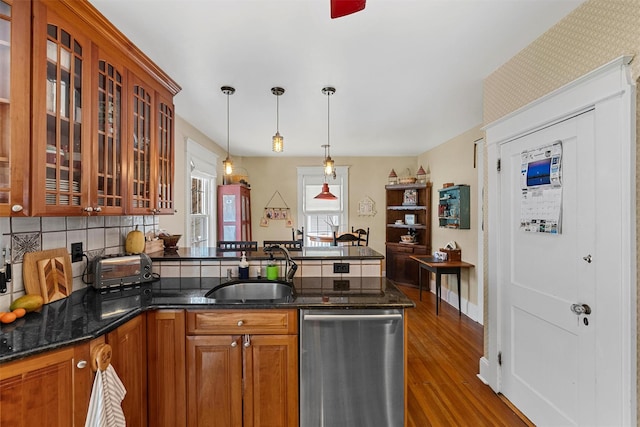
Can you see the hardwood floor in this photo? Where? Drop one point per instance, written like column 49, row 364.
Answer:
column 443, row 356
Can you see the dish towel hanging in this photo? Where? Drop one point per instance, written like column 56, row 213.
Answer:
column 105, row 408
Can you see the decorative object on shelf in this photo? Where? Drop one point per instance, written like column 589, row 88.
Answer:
column 393, row 177
column 428, row 174
column 448, row 184
column 421, row 175
column 227, row 163
column 367, row 207
column 410, row 197
column 407, row 177
column 410, row 219
column 275, row 213
column 277, row 142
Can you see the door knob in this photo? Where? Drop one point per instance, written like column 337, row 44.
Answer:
column 587, row 258
column 581, row 309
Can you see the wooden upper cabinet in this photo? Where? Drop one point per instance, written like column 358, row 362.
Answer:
column 15, row 90
column 166, row 150
column 109, row 152
column 61, row 128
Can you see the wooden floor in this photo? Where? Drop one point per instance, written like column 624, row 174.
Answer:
column 443, row 356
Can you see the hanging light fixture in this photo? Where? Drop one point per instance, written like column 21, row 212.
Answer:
column 329, row 165
column 227, row 163
column 277, row 142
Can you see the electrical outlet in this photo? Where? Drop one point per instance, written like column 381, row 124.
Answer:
column 76, row 252
column 341, row 285
column 340, row 267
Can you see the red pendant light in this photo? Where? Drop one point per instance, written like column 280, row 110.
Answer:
column 325, row 194
column 340, row 8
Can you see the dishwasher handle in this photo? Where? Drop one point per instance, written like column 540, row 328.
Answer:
column 348, row 317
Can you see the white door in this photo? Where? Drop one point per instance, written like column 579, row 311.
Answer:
column 548, row 351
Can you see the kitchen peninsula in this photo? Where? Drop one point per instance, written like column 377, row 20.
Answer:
column 169, row 340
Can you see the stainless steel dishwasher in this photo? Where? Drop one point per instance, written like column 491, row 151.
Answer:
column 351, row 368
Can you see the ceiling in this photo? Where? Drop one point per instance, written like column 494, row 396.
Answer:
column 408, row 73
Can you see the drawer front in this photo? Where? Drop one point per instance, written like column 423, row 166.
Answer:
column 242, row 322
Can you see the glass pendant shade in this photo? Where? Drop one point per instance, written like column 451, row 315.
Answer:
column 325, row 194
column 228, row 166
column 328, row 166
column 277, row 143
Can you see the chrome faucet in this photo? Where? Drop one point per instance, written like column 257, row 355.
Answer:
column 291, row 267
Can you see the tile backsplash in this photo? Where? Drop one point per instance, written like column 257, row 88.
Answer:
column 99, row 235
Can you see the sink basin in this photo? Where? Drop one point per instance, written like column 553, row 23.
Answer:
column 252, row 291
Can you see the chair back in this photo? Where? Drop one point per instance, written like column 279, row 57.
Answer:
column 298, row 235
column 346, row 238
column 292, row 245
column 363, row 235
column 235, row 245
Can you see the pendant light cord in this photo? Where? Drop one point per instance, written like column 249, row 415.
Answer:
column 277, row 114
column 328, row 123
column 227, row 124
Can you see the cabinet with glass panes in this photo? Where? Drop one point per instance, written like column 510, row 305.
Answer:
column 14, row 107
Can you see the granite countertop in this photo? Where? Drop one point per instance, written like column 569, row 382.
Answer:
column 307, row 253
column 88, row 314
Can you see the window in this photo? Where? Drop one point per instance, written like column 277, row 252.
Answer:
column 321, row 217
column 200, row 196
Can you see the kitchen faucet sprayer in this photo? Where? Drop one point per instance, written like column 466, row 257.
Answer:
column 291, row 266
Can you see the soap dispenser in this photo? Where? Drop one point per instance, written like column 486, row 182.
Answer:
column 243, row 267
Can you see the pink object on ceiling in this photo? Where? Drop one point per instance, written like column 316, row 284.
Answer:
column 341, row 8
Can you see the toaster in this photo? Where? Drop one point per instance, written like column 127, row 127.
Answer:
column 121, row 270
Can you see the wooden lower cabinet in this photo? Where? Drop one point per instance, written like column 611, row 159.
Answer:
column 46, row 389
column 400, row 267
column 129, row 359
column 245, row 379
column 166, row 368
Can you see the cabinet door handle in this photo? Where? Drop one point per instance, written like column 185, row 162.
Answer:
column 240, row 322
column 234, row 344
column 97, row 209
column 81, row 364
column 17, row 208
column 247, row 341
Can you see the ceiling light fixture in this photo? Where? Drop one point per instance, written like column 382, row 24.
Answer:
column 277, row 142
column 329, row 164
column 227, row 163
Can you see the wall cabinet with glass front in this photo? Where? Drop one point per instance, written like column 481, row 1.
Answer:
column 83, row 118
column 234, row 212
column 15, row 89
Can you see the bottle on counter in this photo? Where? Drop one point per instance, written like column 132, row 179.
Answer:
column 243, row 267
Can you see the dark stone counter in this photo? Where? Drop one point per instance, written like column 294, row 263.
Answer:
column 307, row 253
column 88, row 314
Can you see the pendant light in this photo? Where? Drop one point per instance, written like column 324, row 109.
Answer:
column 277, row 142
column 329, row 165
column 227, row 163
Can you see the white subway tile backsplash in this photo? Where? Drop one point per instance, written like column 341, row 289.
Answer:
column 54, row 224
column 112, row 237
column 210, row 270
column 52, row 240
column 76, row 236
column 76, row 223
column 24, row 225
column 112, row 221
column 5, row 301
column 5, row 225
column 95, row 222
column 126, row 221
column 95, row 238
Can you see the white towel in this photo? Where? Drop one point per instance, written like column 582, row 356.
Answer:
column 106, row 397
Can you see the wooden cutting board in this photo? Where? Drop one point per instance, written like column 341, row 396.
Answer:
column 48, row 273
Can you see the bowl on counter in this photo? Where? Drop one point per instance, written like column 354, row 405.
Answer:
column 171, row 241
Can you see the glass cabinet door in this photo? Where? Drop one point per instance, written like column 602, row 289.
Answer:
column 14, row 106
column 141, row 199
column 165, row 202
column 64, row 121
column 110, row 155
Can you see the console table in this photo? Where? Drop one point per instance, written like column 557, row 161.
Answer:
column 439, row 267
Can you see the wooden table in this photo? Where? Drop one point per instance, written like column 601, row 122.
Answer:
column 439, row 267
column 321, row 238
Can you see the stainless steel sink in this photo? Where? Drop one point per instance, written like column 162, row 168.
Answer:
column 252, row 291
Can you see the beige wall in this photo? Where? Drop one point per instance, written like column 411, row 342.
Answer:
column 453, row 161
column 594, row 34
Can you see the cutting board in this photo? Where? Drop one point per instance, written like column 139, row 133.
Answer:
column 48, row 273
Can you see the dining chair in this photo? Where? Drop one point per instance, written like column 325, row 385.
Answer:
column 345, row 238
column 236, row 245
column 292, row 245
column 363, row 235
